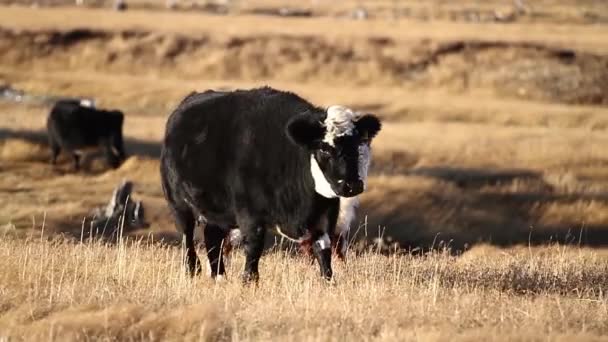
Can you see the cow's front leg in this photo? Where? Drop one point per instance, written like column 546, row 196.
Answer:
column 214, row 236
column 253, row 240
column 322, row 251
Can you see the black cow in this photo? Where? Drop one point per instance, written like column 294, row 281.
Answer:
column 257, row 159
column 74, row 127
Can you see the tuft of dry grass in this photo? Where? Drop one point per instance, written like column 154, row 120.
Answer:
column 63, row 290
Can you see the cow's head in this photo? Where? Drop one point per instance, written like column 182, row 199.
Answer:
column 116, row 143
column 339, row 143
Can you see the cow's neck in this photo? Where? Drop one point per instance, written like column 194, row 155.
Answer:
column 322, row 186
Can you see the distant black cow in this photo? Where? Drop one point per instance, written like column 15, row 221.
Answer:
column 74, row 127
column 257, row 159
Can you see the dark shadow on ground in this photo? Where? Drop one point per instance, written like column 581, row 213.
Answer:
column 132, row 146
column 472, row 177
column 470, row 206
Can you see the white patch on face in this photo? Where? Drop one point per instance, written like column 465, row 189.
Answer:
column 365, row 157
column 340, row 122
column 322, row 186
column 324, row 241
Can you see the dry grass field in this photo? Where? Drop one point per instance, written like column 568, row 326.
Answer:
column 58, row 290
column 486, row 216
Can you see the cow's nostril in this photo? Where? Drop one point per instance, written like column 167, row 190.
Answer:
column 348, row 188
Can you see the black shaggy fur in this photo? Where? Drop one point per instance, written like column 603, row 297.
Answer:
column 73, row 127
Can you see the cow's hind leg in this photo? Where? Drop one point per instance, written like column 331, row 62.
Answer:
column 185, row 221
column 214, row 237
column 253, row 241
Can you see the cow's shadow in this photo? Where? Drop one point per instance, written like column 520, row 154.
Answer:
column 133, row 147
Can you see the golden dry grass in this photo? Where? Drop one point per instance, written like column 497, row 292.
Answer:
column 63, row 290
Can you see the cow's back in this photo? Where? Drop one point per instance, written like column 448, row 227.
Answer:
column 75, row 126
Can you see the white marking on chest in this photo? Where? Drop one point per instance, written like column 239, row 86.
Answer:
column 322, row 186
column 324, row 242
column 340, row 121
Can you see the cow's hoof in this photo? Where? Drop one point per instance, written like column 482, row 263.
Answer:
column 327, row 274
column 195, row 270
column 220, row 279
column 250, row 278
column 329, row 282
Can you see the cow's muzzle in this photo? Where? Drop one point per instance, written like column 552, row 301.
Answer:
column 351, row 188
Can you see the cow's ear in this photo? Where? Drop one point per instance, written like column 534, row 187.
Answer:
column 368, row 126
column 306, row 130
